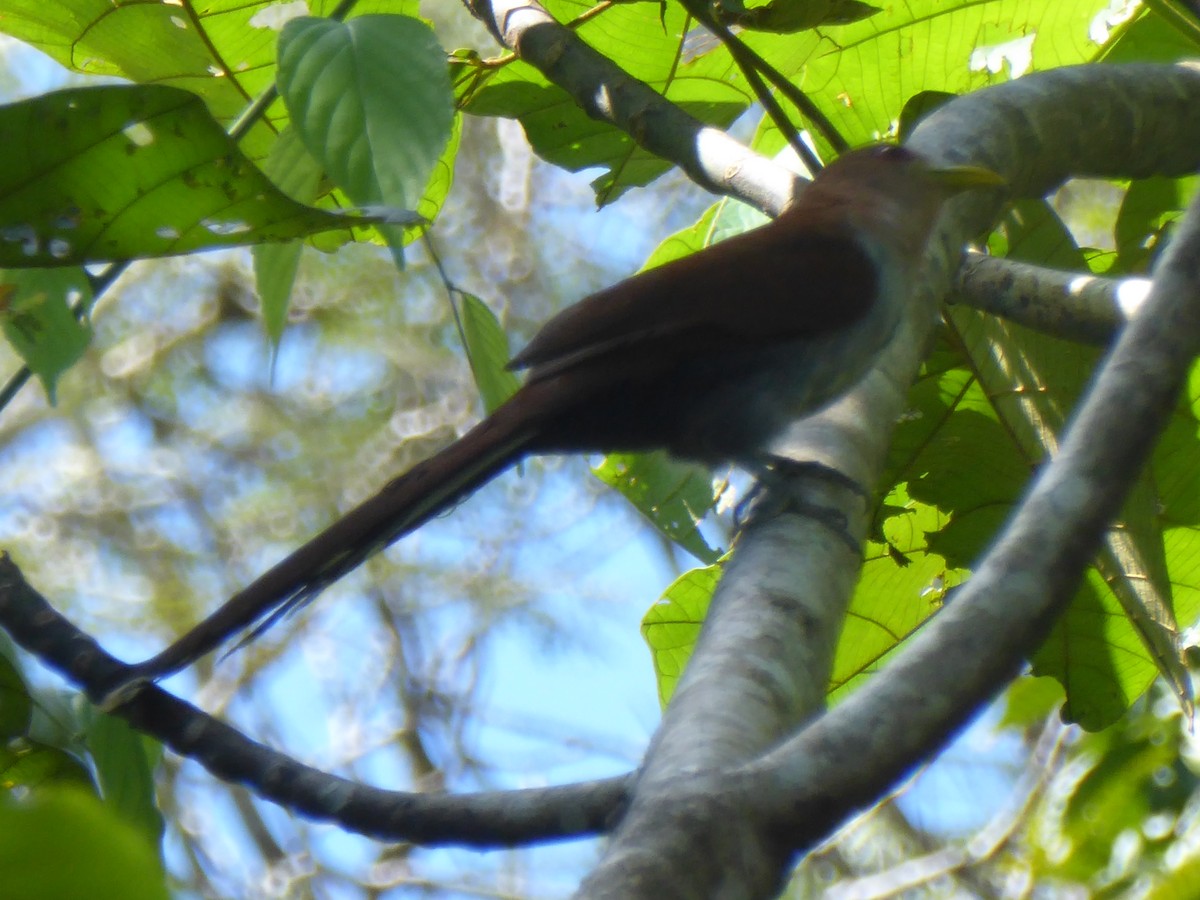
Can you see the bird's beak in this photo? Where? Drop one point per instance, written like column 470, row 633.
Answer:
column 962, row 178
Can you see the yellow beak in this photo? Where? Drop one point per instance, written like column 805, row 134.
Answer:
column 961, row 178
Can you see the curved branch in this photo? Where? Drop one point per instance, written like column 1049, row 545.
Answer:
column 486, row 819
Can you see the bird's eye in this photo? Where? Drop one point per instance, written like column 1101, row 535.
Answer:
column 892, row 153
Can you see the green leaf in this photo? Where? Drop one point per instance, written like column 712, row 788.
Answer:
column 66, row 843
column 34, row 765
column 275, row 267
column 672, row 625
column 371, row 100
column 487, row 350
column 918, row 107
column 294, row 170
column 1003, row 416
column 867, row 70
column 125, row 770
column 1137, row 771
column 1029, row 700
column 1177, row 883
column 674, row 496
column 1165, row 31
column 37, row 318
column 297, row 174
column 16, row 706
column 173, row 181
column 903, row 582
column 440, row 179
column 1120, row 627
column 1149, row 209
column 1001, row 411
column 1103, row 658
column 723, row 219
column 1176, row 479
column 223, row 50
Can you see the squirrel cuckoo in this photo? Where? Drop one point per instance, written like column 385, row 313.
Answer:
column 707, row 357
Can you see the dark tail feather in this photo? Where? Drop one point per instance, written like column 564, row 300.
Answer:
column 403, row 505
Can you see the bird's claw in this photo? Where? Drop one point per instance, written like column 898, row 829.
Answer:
column 771, row 496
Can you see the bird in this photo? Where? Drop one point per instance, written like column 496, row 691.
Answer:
column 707, row 357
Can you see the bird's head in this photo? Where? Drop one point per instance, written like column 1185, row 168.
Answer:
column 889, row 194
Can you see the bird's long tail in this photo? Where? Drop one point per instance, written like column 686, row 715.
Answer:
column 403, row 505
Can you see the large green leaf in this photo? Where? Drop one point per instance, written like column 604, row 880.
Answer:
column 120, row 172
column 34, row 765
column 1134, row 772
column 223, row 50
column 1176, row 478
column 672, row 625
column 1148, row 210
column 66, row 843
column 294, row 170
column 675, row 496
column 1103, row 658
column 861, row 74
column 297, row 174
column 371, row 101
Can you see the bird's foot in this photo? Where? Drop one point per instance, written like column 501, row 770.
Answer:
column 777, row 492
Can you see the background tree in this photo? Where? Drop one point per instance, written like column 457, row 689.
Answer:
column 184, row 453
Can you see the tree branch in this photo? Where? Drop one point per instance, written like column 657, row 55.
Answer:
column 707, row 155
column 486, row 819
column 1087, row 309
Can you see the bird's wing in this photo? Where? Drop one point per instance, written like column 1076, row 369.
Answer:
column 762, row 286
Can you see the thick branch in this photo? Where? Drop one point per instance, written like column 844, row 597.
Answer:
column 1074, row 306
